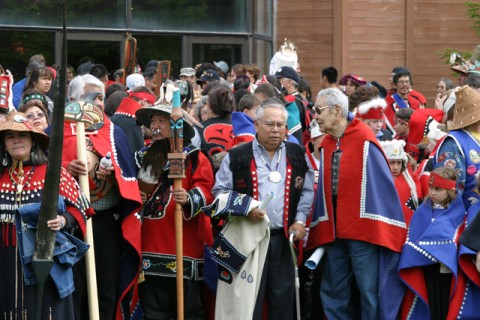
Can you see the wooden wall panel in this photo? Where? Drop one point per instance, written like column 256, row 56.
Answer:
column 370, row 37
column 309, row 25
column 437, row 24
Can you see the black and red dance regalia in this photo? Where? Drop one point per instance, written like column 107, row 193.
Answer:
column 15, row 294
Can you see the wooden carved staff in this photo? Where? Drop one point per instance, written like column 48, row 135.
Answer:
column 176, row 158
column 130, row 59
column 85, row 114
column 163, row 74
column 45, row 241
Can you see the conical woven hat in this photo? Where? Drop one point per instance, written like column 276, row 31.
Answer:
column 467, row 108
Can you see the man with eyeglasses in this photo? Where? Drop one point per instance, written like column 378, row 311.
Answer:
column 402, row 96
column 357, row 216
column 250, row 172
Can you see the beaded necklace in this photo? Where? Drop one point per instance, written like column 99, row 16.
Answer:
column 18, row 179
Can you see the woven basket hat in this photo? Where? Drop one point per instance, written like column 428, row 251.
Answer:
column 467, row 108
column 16, row 121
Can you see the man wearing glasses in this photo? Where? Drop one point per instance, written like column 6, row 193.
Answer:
column 357, row 216
column 403, row 97
column 253, row 170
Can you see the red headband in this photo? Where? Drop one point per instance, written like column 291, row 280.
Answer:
column 438, row 181
column 143, row 95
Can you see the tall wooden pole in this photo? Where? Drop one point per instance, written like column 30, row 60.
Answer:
column 176, row 159
column 45, row 240
column 72, row 111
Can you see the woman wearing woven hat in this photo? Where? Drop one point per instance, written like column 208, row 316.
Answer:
column 461, row 147
column 157, row 292
column 24, row 161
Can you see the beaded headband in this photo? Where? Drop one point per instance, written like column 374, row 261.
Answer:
column 33, row 96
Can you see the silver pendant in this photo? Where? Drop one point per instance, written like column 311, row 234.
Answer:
column 275, row 176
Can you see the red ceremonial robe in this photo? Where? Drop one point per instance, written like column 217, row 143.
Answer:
column 159, row 254
column 404, row 193
column 363, row 213
column 110, row 138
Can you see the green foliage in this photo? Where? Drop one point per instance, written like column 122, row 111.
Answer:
column 473, row 12
column 445, row 55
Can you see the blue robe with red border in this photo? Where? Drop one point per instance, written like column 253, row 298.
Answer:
column 429, row 242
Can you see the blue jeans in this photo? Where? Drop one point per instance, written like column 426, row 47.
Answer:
column 347, row 261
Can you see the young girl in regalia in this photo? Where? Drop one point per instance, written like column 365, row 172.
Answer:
column 428, row 263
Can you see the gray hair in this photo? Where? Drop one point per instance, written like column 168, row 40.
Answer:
column 76, row 87
column 473, row 80
column 199, row 105
column 271, row 103
column 335, row 97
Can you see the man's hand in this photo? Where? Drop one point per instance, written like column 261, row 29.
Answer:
column 103, row 173
column 299, row 229
column 256, row 215
column 77, row 167
column 180, row 196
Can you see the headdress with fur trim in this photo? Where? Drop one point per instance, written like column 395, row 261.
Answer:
column 394, row 150
column 372, row 109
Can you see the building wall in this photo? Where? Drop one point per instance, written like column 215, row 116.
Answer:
column 370, row 37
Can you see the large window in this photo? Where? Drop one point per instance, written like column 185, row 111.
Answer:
column 262, row 22
column 17, row 47
column 190, row 15
column 89, row 14
column 186, row 32
column 147, row 15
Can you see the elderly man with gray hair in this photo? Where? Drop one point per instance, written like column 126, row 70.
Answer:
column 357, row 216
column 249, row 173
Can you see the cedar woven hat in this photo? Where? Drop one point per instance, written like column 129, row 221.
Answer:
column 467, row 108
column 16, row 121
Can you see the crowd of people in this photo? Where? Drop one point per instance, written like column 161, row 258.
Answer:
column 379, row 186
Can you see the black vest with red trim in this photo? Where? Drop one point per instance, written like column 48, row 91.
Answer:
column 241, row 159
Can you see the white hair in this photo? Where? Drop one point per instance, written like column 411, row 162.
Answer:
column 335, row 97
column 271, row 103
column 76, row 88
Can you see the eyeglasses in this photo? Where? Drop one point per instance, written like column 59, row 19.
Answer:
column 271, row 125
column 403, row 82
column 318, row 110
column 32, row 115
